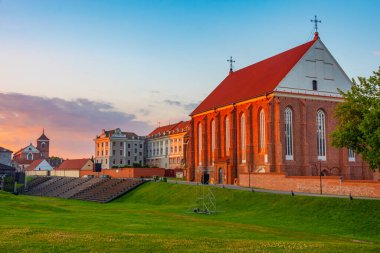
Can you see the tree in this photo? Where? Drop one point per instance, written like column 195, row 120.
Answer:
column 359, row 119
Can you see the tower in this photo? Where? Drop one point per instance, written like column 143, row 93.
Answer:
column 43, row 145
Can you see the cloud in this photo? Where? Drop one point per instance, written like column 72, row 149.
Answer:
column 377, row 53
column 70, row 124
column 186, row 106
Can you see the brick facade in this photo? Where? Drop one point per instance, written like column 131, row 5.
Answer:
column 225, row 166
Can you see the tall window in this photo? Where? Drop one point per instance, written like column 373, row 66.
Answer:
column 243, row 138
column 351, row 155
column 227, row 135
column 262, row 130
column 321, row 135
column 200, row 144
column 212, row 140
column 288, row 134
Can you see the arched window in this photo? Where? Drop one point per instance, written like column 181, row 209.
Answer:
column 212, row 140
column 43, row 145
column 321, row 135
column 227, row 135
column 262, row 130
column 351, row 155
column 288, row 134
column 200, row 144
column 29, row 156
column 242, row 139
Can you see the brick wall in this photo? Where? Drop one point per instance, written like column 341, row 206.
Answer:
column 311, row 184
column 127, row 172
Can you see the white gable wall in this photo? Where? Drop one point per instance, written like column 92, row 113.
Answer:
column 317, row 64
column 44, row 165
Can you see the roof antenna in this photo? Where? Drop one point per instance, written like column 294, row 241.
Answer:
column 316, row 21
column 159, row 123
column 231, row 66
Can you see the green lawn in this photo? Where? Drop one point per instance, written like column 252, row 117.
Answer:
column 154, row 218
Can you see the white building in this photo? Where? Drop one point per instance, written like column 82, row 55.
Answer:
column 115, row 148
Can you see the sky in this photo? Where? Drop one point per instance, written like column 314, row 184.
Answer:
column 75, row 67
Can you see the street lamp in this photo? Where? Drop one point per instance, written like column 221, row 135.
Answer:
column 320, row 176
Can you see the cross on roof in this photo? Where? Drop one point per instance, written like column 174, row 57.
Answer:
column 231, row 61
column 315, row 21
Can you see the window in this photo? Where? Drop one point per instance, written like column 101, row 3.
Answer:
column 121, row 144
column 321, row 135
column 106, row 152
column 43, row 145
column 140, row 145
column 135, row 150
column 29, row 156
column 212, row 140
column 113, row 143
column 180, row 148
column 242, row 139
column 140, row 153
column 288, row 134
column 113, row 162
column 351, row 155
column 262, row 130
column 121, row 162
column 113, row 152
column 129, row 153
column 129, row 145
column 227, row 135
column 135, row 158
column 200, row 144
column 121, row 152
column 129, row 162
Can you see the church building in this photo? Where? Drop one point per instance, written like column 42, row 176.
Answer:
column 25, row 156
column 274, row 116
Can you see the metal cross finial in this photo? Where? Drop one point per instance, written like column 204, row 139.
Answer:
column 315, row 21
column 231, row 61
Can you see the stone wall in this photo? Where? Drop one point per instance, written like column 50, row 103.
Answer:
column 311, row 184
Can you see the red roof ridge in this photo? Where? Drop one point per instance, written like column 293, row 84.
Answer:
column 254, row 80
column 72, row 164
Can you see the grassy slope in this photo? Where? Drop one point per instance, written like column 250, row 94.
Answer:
column 154, row 217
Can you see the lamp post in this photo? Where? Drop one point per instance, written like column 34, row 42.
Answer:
column 320, row 176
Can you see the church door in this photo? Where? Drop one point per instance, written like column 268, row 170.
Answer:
column 205, row 178
column 220, row 176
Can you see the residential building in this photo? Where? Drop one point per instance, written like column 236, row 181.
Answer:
column 165, row 146
column 5, row 156
column 115, row 148
column 176, row 142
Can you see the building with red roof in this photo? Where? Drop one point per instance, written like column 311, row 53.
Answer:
column 274, row 116
column 165, row 146
column 72, row 167
column 25, row 156
column 38, row 167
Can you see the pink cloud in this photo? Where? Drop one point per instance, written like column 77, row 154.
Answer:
column 70, row 125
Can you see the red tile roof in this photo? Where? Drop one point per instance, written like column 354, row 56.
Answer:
column 35, row 164
column 254, row 80
column 74, row 164
column 164, row 130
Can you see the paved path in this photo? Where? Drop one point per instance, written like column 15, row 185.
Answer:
column 236, row 187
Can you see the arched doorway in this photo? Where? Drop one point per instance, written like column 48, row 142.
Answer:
column 205, row 178
column 220, row 176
